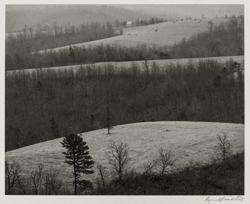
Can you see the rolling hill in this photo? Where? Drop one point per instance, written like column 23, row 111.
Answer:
column 190, row 141
column 187, row 10
column 126, row 64
column 167, row 33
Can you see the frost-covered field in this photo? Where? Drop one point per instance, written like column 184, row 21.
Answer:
column 126, row 64
column 190, row 141
column 167, row 33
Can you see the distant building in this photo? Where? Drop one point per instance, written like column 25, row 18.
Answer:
column 129, row 23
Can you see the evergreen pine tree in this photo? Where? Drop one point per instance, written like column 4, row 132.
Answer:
column 77, row 155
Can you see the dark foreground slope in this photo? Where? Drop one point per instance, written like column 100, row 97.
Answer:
column 224, row 178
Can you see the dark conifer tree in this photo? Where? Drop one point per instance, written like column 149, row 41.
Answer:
column 77, row 155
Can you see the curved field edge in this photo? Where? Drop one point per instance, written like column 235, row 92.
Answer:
column 190, row 141
column 127, row 64
column 166, row 33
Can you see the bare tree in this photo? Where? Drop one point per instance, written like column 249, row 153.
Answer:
column 108, row 120
column 108, row 103
column 37, row 179
column 150, row 166
column 52, row 184
column 166, row 159
column 119, row 158
column 102, row 171
column 12, row 171
column 146, row 68
column 211, row 26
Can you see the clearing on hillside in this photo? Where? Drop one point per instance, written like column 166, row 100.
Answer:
column 167, row 33
column 162, row 63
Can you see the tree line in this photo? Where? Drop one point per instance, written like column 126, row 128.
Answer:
column 226, row 39
column 77, row 55
column 45, row 37
column 49, row 104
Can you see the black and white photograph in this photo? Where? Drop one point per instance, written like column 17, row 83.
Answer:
column 124, row 99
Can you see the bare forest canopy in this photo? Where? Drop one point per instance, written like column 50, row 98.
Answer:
column 50, row 104
column 44, row 37
column 226, row 39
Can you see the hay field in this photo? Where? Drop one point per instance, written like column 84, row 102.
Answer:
column 166, row 33
column 190, row 141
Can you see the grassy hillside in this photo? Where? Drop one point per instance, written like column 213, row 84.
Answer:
column 225, row 39
column 167, row 33
column 190, row 141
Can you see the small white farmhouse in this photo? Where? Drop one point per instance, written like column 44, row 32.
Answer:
column 129, row 23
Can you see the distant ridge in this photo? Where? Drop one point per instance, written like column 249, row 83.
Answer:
column 17, row 16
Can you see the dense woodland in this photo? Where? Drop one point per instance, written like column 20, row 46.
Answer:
column 44, row 37
column 49, row 104
column 223, row 40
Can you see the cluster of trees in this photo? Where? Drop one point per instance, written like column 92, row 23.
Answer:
column 44, row 105
column 138, row 22
column 39, row 181
column 223, row 176
column 150, row 21
column 45, row 37
column 223, row 40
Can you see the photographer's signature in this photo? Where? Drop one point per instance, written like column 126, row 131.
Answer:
column 223, row 198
